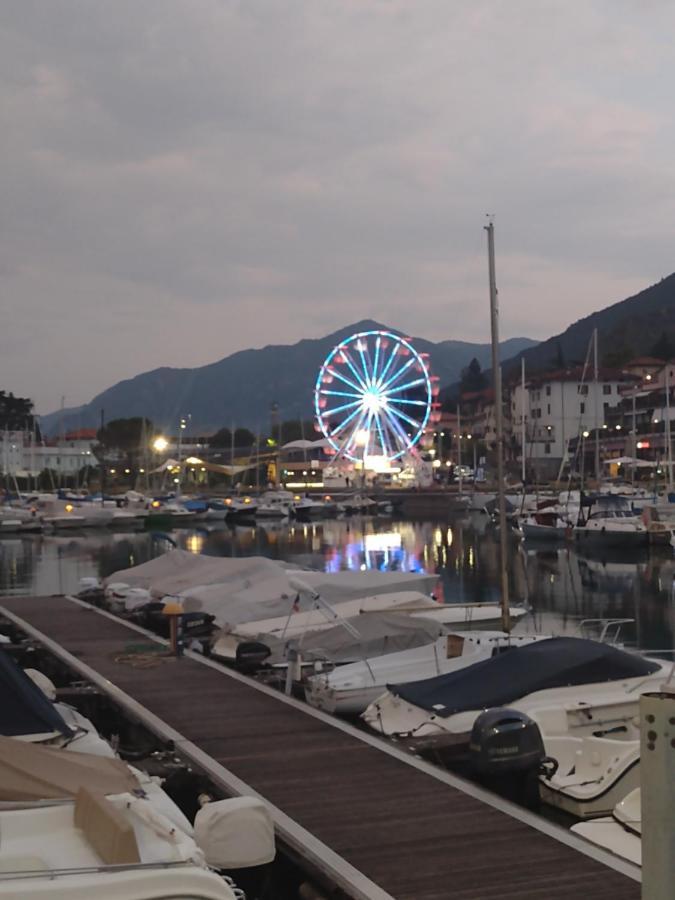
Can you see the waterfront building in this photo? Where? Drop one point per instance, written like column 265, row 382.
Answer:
column 557, row 407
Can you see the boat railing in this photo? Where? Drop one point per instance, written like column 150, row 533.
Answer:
column 52, row 872
column 605, row 631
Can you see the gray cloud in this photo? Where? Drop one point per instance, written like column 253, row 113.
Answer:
column 183, row 179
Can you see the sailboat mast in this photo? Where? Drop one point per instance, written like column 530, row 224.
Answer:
column 669, row 446
column 499, row 427
column 522, row 420
column 595, row 405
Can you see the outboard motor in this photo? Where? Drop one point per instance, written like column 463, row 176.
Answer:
column 251, row 656
column 506, row 753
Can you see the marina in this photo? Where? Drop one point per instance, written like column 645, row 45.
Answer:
column 373, row 806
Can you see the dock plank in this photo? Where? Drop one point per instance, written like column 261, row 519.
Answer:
column 415, row 836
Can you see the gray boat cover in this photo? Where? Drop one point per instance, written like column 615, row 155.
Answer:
column 540, row 666
column 379, row 633
column 32, row 772
column 253, row 588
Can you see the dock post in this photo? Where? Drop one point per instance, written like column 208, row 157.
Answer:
column 657, row 779
column 174, row 611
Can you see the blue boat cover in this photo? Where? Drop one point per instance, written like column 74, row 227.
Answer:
column 540, row 666
column 24, row 708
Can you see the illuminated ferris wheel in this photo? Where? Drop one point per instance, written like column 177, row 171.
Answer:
column 373, row 397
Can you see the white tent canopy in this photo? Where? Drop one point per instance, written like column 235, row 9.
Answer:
column 306, row 445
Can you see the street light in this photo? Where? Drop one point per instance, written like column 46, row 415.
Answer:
column 160, row 444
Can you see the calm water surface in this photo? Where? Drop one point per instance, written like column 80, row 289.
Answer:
column 560, row 585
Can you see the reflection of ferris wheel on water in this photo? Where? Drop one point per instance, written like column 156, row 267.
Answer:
column 373, row 396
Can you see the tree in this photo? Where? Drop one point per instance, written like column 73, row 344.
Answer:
column 127, row 440
column 294, row 430
column 223, row 438
column 16, row 413
column 473, row 378
column 663, row 348
column 618, row 356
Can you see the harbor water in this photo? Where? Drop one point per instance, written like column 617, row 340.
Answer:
column 561, row 585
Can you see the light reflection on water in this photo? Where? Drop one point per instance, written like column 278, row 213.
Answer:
column 560, row 585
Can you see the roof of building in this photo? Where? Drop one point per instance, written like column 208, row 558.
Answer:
column 576, row 373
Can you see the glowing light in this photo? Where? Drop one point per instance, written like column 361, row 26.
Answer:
column 155, row 504
column 160, row 444
column 69, row 507
column 193, row 461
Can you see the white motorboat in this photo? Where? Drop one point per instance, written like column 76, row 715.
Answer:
column 19, row 519
column 308, row 508
column 610, row 522
column 75, row 826
column 275, row 505
column 549, row 522
column 597, row 759
column 439, row 713
column 240, row 507
column 620, row 832
column 349, row 689
column 323, row 616
column 357, row 504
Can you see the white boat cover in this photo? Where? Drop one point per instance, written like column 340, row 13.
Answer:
column 337, row 586
column 252, row 588
column 378, row 634
column 31, row 772
column 236, row 833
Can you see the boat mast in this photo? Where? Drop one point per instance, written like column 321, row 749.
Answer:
column 595, row 406
column 499, row 427
column 669, row 446
column 522, row 420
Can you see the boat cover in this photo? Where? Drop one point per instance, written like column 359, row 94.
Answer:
column 30, row 772
column 254, row 588
column 177, row 571
column 337, row 586
column 540, row 666
column 237, row 833
column 25, row 709
column 379, row 634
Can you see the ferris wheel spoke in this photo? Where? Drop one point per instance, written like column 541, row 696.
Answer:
column 347, row 358
column 399, row 400
column 378, row 344
column 404, row 387
column 336, row 374
column 341, row 393
column 367, row 373
column 379, row 420
column 347, row 420
column 398, row 431
column 326, row 413
column 401, row 415
column 397, row 374
column 390, row 360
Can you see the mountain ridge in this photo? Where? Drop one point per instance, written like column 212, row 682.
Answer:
column 241, row 387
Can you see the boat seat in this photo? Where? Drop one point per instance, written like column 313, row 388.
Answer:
column 106, row 829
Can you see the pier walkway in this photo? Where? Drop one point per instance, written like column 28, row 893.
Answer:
column 377, row 822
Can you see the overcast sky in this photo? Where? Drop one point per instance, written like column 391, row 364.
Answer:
column 181, row 179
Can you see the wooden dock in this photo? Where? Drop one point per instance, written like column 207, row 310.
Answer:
column 383, row 823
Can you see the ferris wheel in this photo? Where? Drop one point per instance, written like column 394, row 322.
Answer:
column 373, row 397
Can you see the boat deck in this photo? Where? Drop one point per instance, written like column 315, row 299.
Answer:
column 412, row 832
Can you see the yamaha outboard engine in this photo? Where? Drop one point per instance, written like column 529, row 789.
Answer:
column 506, row 753
column 251, row 656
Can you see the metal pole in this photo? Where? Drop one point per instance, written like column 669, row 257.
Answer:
column 497, row 384
column 522, row 419
column 669, row 448
column 632, row 471
column 595, row 405
column 657, row 794
column 459, row 447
